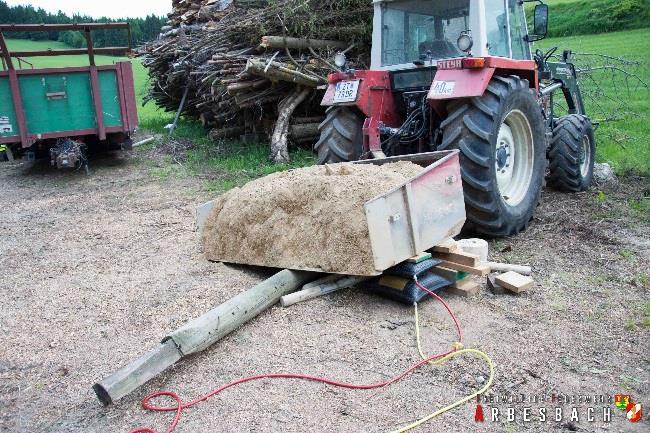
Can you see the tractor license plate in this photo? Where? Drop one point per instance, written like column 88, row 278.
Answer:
column 346, row 91
column 443, row 88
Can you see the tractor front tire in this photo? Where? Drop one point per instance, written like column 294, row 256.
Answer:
column 571, row 154
column 341, row 136
column 502, row 143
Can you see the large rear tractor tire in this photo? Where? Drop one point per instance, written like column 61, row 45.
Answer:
column 572, row 154
column 501, row 137
column 341, row 136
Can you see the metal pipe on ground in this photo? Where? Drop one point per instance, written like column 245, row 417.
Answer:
column 506, row 267
column 199, row 334
column 342, row 282
column 143, row 142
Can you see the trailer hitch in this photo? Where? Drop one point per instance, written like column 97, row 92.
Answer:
column 69, row 154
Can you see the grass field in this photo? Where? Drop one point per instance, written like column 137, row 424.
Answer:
column 624, row 143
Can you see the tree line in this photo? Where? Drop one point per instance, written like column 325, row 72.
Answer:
column 142, row 29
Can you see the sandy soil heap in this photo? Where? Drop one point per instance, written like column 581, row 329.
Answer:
column 311, row 218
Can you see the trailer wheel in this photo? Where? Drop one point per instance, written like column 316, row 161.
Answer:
column 572, row 154
column 341, row 136
column 501, row 137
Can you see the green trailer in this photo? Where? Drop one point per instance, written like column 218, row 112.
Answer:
column 62, row 112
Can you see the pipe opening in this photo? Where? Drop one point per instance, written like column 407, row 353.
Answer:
column 103, row 395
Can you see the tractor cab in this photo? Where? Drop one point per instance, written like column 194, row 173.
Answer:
column 412, row 33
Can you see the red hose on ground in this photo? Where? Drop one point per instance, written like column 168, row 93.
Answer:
column 180, row 406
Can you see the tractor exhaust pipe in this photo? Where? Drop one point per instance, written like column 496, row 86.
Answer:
column 199, row 334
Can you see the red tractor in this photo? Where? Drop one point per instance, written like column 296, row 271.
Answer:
column 460, row 74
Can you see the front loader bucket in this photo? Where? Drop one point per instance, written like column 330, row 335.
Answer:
column 394, row 225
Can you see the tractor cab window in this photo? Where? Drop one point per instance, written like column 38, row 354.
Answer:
column 520, row 48
column 413, row 29
column 497, row 28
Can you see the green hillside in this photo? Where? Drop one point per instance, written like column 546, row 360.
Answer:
column 583, row 17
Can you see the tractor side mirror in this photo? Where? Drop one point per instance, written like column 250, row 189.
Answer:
column 540, row 26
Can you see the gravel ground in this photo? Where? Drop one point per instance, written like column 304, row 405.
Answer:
column 97, row 269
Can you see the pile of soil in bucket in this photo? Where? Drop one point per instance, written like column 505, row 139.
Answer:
column 311, row 218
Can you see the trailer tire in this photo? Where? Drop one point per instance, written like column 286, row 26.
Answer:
column 572, row 153
column 341, row 136
column 502, row 142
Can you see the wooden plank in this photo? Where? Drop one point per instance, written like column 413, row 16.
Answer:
column 461, row 258
column 397, row 283
column 481, row 271
column 515, row 282
column 446, row 273
column 464, row 288
column 447, row 246
column 419, row 258
column 462, row 282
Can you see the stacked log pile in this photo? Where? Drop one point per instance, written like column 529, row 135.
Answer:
column 255, row 67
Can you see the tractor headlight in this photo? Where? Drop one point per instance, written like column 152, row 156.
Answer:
column 465, row 42
column 340, row 60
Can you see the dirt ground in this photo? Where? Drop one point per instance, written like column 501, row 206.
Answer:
column 95, row 270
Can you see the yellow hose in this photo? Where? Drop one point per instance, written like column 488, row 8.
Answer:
column 459, row 351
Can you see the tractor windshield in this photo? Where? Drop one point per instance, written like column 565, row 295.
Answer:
column 413, row 29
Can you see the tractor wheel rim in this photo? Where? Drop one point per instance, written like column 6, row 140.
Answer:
column 585, row 164
column 514, row 157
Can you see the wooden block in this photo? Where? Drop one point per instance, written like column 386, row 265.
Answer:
column 464, row 288
column 493, row 286
column 447, row 246
column 419, row 258
column 461, row 258
column 461, row 282
column 446, row 273
column 514, row 282
column 397, row 283
column 481, row 270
